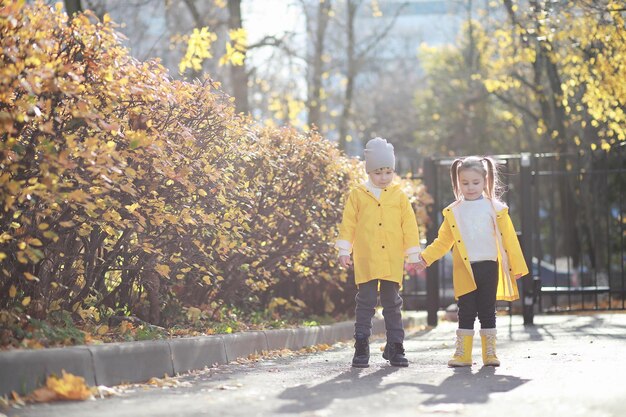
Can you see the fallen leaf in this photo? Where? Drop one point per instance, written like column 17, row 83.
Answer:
column 229, row 387
column 17, row 399
column 104, row 391
column 69, row 387
column 43, row 395
column 102, row 329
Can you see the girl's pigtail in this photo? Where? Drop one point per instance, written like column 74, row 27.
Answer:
column 492, row 178
column 454, row 176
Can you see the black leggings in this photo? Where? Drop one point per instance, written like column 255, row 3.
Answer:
column 481, row 301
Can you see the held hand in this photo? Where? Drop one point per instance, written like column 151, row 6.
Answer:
column 415, row 267
column 518, row 276
column 419, row 266
column 345, row 261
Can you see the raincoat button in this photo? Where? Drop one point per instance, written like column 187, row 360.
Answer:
column 380, row 224
column 379, row 205
column 383, row 246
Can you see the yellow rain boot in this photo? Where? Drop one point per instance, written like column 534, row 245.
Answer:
column 463, row 354
column 488, row 338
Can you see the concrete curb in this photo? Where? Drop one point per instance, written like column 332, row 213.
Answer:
column 114, row 363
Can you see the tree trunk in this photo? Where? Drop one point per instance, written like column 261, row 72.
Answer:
column 351, row 71
column 315, row 83
column 73, row 6
column 238, row 74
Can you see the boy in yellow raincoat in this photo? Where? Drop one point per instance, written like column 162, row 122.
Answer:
column 486, row 259
column 380, row 230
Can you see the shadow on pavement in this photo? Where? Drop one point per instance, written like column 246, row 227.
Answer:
column 464, row 387
column 584, row 325
column 536, row 332
column 352, row 383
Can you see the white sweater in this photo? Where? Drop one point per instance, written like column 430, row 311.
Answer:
column 477, row 226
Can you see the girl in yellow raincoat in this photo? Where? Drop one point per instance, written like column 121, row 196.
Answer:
column 380, row 230
column 486, row 259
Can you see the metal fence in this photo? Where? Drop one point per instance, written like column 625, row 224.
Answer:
column 569, row 211
column 579, row 230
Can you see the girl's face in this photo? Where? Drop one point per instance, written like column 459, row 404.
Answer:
column 472, row 184
column 381, row 177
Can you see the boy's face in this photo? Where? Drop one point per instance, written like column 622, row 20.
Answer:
column 381, row 177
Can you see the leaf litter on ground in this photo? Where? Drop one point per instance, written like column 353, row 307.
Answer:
column 70, row 387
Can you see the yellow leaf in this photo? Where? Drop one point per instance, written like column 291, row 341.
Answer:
column 193, row 314
column 131, row 208
column 69, row 387
column 198, row 49
column 202, row 193
column 43, row 395
column 30, row 277
column 35, row 242
column 43, row 226
column 103, row 329
column 26, row 301
column 125, row 327
column 163, row 270
column 12, row 291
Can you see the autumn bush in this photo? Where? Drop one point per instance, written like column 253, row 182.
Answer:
column 127, row 193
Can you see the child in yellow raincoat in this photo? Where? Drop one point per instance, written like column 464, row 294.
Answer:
column 486, row 259
column 380, row 230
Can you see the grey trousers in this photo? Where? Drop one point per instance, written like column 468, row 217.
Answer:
column 390, row 300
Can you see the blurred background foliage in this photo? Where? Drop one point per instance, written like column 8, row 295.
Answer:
column 439, row 77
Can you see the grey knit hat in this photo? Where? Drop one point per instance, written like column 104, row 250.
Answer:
column 379, row 154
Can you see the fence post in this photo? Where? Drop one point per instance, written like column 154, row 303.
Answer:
column 432, row 274
column 527, row 290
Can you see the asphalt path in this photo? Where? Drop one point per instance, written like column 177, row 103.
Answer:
column 564, row 365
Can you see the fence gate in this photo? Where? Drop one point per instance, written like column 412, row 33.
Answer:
column 569, row 210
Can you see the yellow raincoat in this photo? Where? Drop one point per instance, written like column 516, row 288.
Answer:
column 510, row 257
column 380, row 231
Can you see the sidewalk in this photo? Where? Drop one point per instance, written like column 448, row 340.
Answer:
column 131, row 362
column 564, row 365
